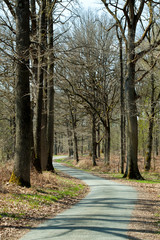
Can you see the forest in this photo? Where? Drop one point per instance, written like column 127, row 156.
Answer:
column 81, row 87
column 80, row 83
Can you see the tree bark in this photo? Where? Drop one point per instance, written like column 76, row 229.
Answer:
column 151, row 124
column 70, row 142
column 157, row 144
column 74, row 126
column 107, row 142
column 132, row 171
column 76, row 156
column 122, row 109
column 21, row 172
column 82, row 145
column 50, row 131
column 34, row 64
column 42, row 36
column 94, row 143
column 55, row 144
column 99, row 143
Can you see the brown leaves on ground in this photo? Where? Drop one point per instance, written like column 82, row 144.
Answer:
column 23, row 208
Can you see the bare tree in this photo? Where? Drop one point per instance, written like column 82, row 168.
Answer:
column 132, row 12
column 21, row 172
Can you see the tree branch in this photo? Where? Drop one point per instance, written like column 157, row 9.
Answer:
column 117, row 20
column 9, row 5
column 149, row 25
column 142, row 53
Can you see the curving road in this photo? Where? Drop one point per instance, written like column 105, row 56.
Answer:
column 103, row 214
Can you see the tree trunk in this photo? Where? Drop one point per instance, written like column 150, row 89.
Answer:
column 94, row 144
column 76, row 156
column 21, row 172
column 74, row 125
column 82, row 147
column 34, row 64
column 107, row 142
column 70, row 142
column 122, row 110
column 50, row 131
column 55, row 144
column 151, row 124
column 132, row 154
column 99, row 143
column 44, row 142
column 42, row 34
column 149, row 146
column 157, row 144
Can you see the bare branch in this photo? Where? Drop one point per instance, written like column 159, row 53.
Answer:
column 149, row 25
column 149, row 49
column 117, row 20
column 143, row 75
column 10, row 7
column 141, row 7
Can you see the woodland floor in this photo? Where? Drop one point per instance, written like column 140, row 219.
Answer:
column 23, row 208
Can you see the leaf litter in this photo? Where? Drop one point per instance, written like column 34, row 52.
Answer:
column 23, row 208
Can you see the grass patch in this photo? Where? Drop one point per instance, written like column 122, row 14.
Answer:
column 150, row 177
column 15, row 216
column 69, row 162
column 48, row 196
column 45, row 193
column 145, row 181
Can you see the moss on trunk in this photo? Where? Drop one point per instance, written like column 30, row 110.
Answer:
column 19, row 181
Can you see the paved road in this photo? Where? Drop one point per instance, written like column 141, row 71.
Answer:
column 104, row 214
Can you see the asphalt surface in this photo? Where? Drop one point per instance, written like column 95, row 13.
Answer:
column 103, row 214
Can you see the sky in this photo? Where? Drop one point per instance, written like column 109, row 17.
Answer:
column 93, row 4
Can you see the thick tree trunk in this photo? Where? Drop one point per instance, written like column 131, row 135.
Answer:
column 50, row 131
column 132, row 171
column 34, row 64
column 42, row 34
column 21, row 172
column 94, row 144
